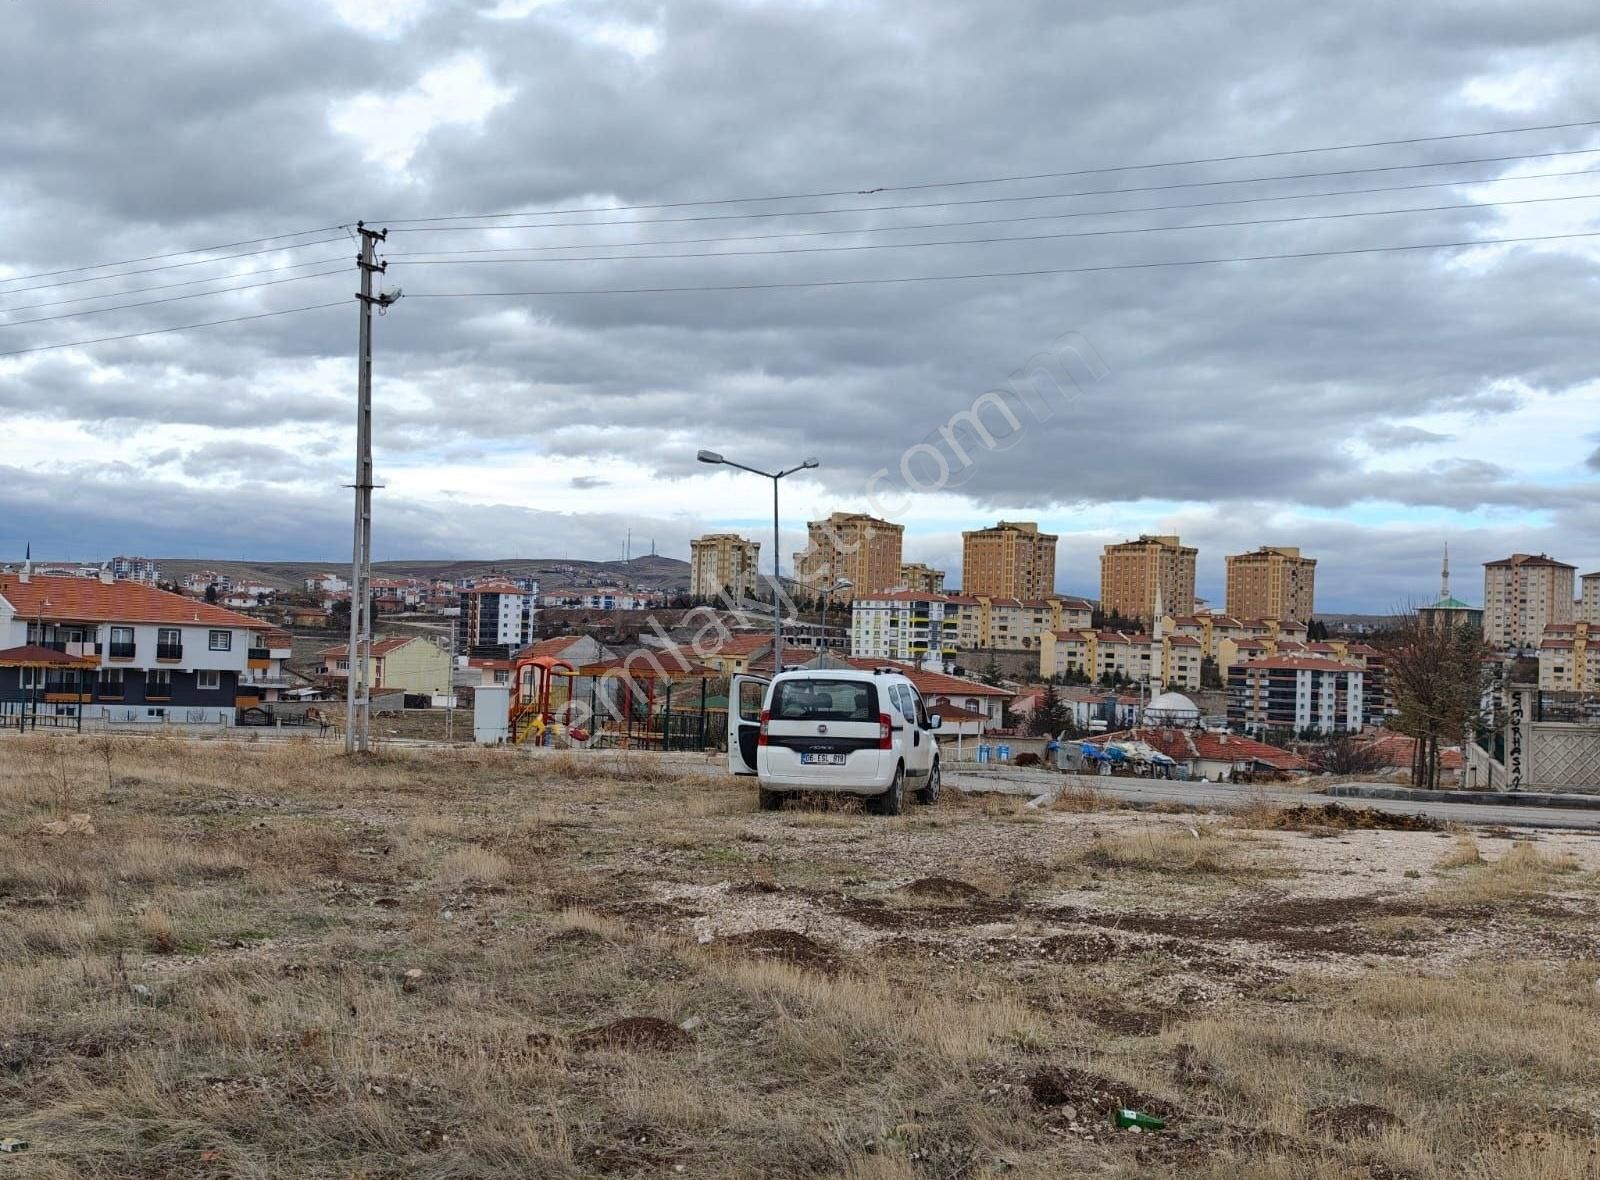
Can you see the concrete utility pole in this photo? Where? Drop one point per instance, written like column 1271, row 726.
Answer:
column 358, row 685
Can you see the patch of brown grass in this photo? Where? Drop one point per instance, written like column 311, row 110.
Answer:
column 1522, row 872
column 1462, row 853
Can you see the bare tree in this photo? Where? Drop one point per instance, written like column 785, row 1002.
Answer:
column 1437, row 675
column 1345, row 753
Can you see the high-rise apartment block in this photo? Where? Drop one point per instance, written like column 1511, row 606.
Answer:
column 723, row 563
column 496, row 620
column 854, row 546
column 1274, row 582
column 1589, row 606
column 1011, row 560
column 1134, row 573
column 923, row 579
column 1522, row 595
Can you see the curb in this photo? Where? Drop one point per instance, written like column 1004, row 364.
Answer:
column 1490, row 798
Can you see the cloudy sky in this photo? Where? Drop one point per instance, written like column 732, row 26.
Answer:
column 1367, row 403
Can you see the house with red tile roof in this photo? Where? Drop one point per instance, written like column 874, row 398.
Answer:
column 400, row 663
column 150, row 656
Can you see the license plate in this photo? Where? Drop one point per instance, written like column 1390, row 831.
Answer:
column 822, row 759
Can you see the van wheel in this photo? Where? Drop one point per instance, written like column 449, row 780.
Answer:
column 889, row 802
column 930, row 793
column 768, row 800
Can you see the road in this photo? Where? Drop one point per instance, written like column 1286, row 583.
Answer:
column 1224, row 796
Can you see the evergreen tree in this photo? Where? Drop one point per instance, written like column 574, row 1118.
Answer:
column 1049, row 715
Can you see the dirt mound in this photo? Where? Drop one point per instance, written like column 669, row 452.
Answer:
column 1128, row 1022
column 1088, row 946
column 945, row 888
column 1056, row 1086
column 1336, row 815
column 1352, row 1120
column 633, row 1032
column 785, row 946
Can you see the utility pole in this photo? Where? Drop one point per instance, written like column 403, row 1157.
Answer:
column 358, row 686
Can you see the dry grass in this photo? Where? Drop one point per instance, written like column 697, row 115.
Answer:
column 1462, row 853
column 270, row 960
column 1522, row 872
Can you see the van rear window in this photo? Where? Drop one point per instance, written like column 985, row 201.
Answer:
column 825, row 700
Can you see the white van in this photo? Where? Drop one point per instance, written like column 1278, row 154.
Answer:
column 834, row 729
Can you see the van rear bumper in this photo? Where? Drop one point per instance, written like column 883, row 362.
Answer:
column 867, row 772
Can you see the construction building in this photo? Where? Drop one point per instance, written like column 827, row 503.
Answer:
column 1522, row 595
column 923, row 579
column 723, row 564
column 1013, row 559
column 1138, row 577
column 1274, row 582
column 853, row 546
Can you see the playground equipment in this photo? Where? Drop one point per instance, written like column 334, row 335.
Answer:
column 541, row 700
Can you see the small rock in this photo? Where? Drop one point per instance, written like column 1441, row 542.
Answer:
column 679, row 1168
column 447, row 915
column 141, row 991
column 412, row 980
column 1070, row 1113
column 691, row 1024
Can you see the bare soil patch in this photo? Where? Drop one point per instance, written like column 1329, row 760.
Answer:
column 944, row 888
column 1338, row 817
column 648, row 1033
column 1352, row 1120
column 784, row 946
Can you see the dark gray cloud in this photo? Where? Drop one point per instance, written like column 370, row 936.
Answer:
column 1260, row 388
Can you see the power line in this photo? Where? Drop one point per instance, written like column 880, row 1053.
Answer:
column 238, row 319
column 262, row 270
column 1009, row 179
column 1087, row 233
column 1101, row 192
column 45, row 274
column 1071, row 213
column 88, row 311
column 172, row 266
column 1002, row 274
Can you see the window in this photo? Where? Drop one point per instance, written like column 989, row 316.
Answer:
column 32, row 678
column 121, row 643
column 221, row 641
column 825, row 700
column 158, row 683
column 208, row 679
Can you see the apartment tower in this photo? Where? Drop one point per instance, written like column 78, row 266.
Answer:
column 1274, row 582
column 923, row 579
column 723, row 563
column 1521, row 595
column 1133, row 573
column 1011, row 560
column 854, row 546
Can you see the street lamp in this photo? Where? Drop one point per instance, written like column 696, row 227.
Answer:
column 777, row 611
column 827, row 593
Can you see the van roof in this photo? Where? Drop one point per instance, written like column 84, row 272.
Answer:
column 838, row 674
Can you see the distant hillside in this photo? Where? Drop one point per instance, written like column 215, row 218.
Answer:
column 657, row 573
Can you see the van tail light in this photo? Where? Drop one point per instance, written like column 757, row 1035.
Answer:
column 885, row 732
column 766, row 720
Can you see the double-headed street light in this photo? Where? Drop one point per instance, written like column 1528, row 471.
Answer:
column 777, row 610
column 827, row 593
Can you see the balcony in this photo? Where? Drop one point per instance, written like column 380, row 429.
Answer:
column 169, row 653
column 120, row 651
column 258, row 657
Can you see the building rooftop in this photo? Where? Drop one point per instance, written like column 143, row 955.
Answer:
column 56, row 599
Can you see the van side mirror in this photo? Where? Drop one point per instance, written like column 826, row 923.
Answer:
column 935, row 721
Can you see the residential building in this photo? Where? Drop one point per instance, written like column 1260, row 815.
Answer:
column 1589, row 606
column 1138, row 577
column 1013, row 559
column 1298, row 693
column 901, row 625
column 1569, row 657
column 400, row 663
column 141, row 654
column 1273, row 582
column 198, row 582
column 1522, row 595
column 914, row 575
column 1171, row 661
column 968, row 623
column 496, row 619
column 1217, row 632
column 723, row 564
column 941, row 691
column 854, row 546
column 1447, row 611
column 135, row 569
column 737, row 653
column 327, row 584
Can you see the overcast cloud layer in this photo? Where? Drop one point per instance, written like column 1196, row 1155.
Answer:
column 1366, row 406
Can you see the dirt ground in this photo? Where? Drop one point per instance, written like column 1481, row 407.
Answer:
column 231, row 961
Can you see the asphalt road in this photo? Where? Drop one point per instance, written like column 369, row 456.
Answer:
column 1224, row 796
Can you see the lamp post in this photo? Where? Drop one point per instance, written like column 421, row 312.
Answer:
column 827, row 593
column 777, row 611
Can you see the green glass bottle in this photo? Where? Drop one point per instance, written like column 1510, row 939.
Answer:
column 1125, row 1118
